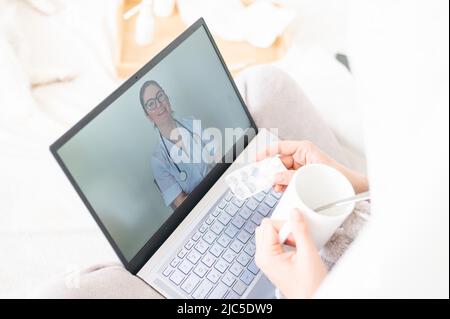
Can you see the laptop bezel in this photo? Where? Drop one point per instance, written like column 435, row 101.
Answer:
column 160, row 236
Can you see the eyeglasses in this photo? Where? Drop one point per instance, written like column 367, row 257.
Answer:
column 152, row 104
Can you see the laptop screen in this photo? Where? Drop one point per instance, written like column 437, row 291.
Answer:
column 146, row 150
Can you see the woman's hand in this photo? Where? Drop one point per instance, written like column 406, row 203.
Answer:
column 296, row 154
column 296, row 273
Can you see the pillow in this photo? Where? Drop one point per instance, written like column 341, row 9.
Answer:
column 22, row 125
column 47, row 48
column 15, row 95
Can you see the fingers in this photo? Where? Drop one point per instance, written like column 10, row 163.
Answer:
column 284, row 148
column 267, row 245
column 284, row 178
column 279, row 188
column 278, row 224
column 266, row 234
column 300, row 231
column 281, row 180
column 288, row 161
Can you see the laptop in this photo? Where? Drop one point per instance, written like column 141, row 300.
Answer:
column 174, row 223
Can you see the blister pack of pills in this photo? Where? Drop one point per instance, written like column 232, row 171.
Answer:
column 254, row 178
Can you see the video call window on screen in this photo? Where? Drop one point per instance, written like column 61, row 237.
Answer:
column 138, row 160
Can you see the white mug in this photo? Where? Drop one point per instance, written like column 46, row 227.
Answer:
column 312, row 186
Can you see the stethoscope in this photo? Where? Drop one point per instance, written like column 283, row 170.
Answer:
column 182, row 174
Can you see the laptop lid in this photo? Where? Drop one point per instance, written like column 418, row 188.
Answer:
column 144, row 157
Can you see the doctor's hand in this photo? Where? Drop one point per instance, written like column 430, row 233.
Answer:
column 297, row 273
column 296, row 154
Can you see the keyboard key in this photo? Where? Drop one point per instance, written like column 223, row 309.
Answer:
column 221, row 265
column 239, row 287
column 275, row 194
column 228, row 196
column 194, row 256
column 203, row 228
column 236, row 201
column 250, row 227
column 257, row 218
column 218, row 292
column 238, row 221
column 252, row 203
column 247, row 277
column 217, row 228
column 250, row 249
column 216, row 250
column 191, row 243
column 253, row 268
column 267, row 190
column 167, row 271
column 229, row 255
column 236, row 269
column 186, row 266
column 196, row 237
column 202, row 247
column 224, row 218
column 201, row 269
column 271, row 201
column 243, row 259
column 232, row 295
column 190, row 283
column 232, row 209
column 208, row 260
column 260, row 196
column 177, row 277
column 213, row 276
column 263, row 209
column 209, row 220
column 202, row 290
column 175, row 262
column 216, row 212
column 224, row 240
column 245, row 213
column 182, row 253
column 228, row 279
column 243, row 236
column 210, row 237
column 222, row 204
column 236, row 246
column 231, row 231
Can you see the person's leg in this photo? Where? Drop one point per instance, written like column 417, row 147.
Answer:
column 103, row 282
column 276, row 101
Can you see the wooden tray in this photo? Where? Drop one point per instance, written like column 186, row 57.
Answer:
column 237, row 55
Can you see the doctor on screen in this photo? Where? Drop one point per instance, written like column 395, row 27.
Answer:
column 174, row 178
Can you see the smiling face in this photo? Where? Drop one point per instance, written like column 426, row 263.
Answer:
column 157, row 105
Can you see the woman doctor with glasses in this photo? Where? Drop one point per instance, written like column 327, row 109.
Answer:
column 175, row 178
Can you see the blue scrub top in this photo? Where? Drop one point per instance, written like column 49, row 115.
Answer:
column 166, row 173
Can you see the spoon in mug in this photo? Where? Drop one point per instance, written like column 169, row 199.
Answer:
column 357, row 198
column 286, row 229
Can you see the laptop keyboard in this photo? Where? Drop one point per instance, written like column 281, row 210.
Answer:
column 217, row 261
